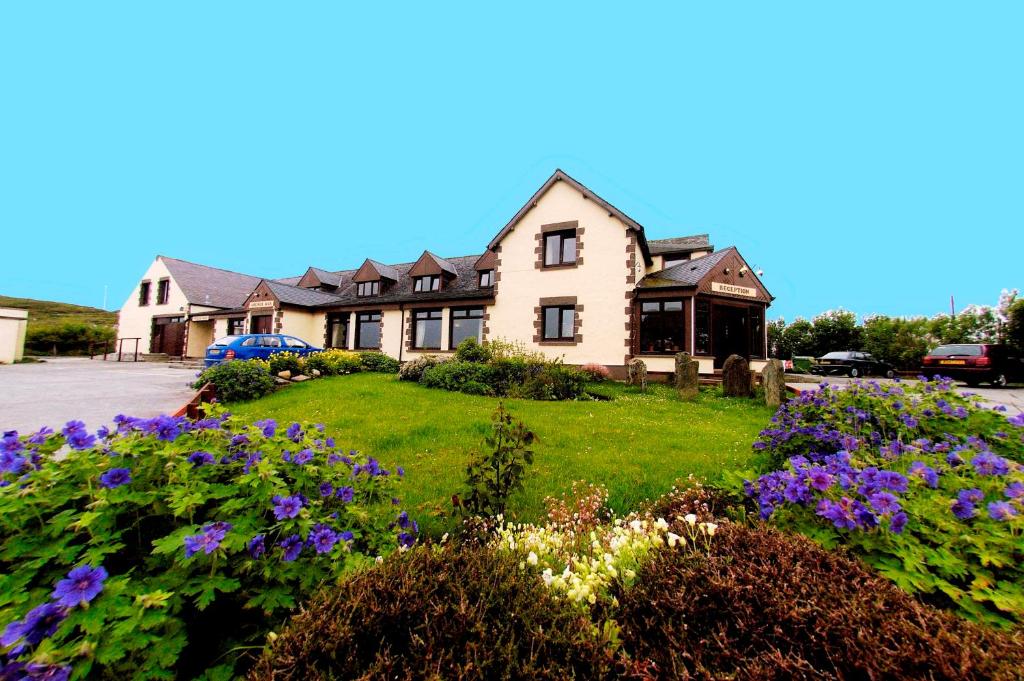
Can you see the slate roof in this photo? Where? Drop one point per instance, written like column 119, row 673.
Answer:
column 296, row 295
column 679, row 244
column 204, row 285
column 386, row 271
column 687, row 273
column 443, row 264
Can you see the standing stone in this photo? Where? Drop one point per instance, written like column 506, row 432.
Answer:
column 773, row 378
column 736, row 377
column 637, row 373
column 687, row 376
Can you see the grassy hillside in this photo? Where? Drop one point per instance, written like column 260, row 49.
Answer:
column 46, row 312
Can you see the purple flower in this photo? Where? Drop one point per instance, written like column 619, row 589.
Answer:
column 884, row 502
column 198, row 459
column 294, row 432
column 303, row 457
column 116, row 477
column 326, row 489
column 1001, row 510
column 898, row 522
column 40, row 622
column 963, row 509
column 208, row 541
column 268, row 426
column 400, row 471
column 80, row 439
column 346, row 494
column 72, row 427
column 10, row 444
column 254, row 458
column 819, row 478
column 919, row 469
column 893, row 481
column 971, row 496
column 987, row 463
column 12, row 463
column 1015, row 490
column 46, row 672
column 323, row 538
column 39, row 437
column 287, row 507
column 81, row 585
column 1017, row 420
column 292, row 547
column 257, row 547
column 403, row 520
column 406, row 539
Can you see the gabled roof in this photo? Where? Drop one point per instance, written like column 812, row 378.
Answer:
column 432, row 264
column 211, row 286
column 296, row 295
column 561, row 176
column 680, row 244
column 315, row 276
column 688, row 273
column 371, row 270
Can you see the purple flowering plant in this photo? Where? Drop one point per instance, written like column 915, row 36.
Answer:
column 114, row 552
column 921, row 482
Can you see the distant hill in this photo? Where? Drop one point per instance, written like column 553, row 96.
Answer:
column 46, row 312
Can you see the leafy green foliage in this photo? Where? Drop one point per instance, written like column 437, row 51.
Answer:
column 378, row 362
column 238, row 380
column 332, row 362
column 285, row 361
column 52, row 313
column 69, row 338
column 172, row 607
column 494, row 475
column 469, row 377
column 413, row 369
column 471, row 351
column 1015, row 324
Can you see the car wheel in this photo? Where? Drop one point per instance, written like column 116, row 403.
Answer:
column 854, row 372
column 999, row 381
column 889, row 373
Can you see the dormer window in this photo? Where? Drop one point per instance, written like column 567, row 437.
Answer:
column 674, row 259
column 486, row 278
column 368, row 288
column 428, row 283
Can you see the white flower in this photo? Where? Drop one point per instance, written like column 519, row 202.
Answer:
column 709, row 528
column 690, row 518
column 532, row 558
column 672, row 539
column 661, row 524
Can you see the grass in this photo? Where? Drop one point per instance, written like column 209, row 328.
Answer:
column 48, row 313
column 637, row 445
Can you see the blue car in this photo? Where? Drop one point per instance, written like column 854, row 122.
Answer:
column 255, row 346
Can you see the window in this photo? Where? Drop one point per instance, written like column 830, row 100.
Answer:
column 337, row 331
column 466, row 323
column 163, row 291
column 368, row 288
column 429, row 283
column 702, row 327
column 269, row 342
column 426, row 329
column 236, row 327
column 249, row 342
column 486, row 278
column 144, row 294
column 559, row 322
column 560, row 248
column 757, row 333
column 294, row 343
column 662, row 326
column 368, row 330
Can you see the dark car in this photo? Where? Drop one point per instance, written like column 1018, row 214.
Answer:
column 255, row 346
column 851, row 363
column 975, row 363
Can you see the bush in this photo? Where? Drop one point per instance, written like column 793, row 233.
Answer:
column 922, row 484
column 471, row 351
column 413, row 369
column 189, row 541
column 493, row 476
column 453, row 613
column 70, row 338
column 455, row 376
column 238, row 380
column 285, row 361
column 333, row 362
column 554, row 382
column 378, row 362
column 765, row 605
column 596, row 372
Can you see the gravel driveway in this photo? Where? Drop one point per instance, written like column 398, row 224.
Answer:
column 1012, row 397
column 61, row 389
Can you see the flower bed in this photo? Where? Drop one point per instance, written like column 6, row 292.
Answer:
column 923, row 483
column 166, row 546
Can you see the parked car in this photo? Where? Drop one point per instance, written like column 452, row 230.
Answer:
column 853, row 364
column 975, row 363
column 255, row 346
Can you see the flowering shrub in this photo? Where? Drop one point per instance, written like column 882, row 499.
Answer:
column 333, row 362
column 471, row 351
column 596, row 372
column 159, row 547
column 285, row 361
column 924, row 484
column 238, row 380
column 584, row 507
column 413, row 369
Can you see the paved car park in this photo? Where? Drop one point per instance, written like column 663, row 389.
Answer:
column 53, row 392
column 1012, row 397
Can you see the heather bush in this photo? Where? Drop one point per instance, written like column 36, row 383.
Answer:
column 760, row 604
column 285, row 361
column 413, row 369
column 378, row 362
column 471, row 351
column 922, row 483
column 596, row 372
column 166, row 547
column 238, row 380
column 554, row 381
column 333, row 362
column 585, row 506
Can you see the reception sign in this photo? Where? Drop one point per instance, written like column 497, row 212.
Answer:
column 731, row 289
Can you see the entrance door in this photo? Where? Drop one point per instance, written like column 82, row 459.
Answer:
column 261, row 324
column 730, row 335
column 168, row 336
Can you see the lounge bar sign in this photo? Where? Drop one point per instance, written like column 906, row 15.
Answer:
column 719, row 287
column 258, row 304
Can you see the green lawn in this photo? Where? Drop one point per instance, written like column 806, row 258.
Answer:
column 637, row 444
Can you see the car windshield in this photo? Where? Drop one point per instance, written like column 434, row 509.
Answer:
column 226, row 340
column 946, row 350
column 837, row 355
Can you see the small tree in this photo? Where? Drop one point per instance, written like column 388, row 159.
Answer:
column 493, row 476
column 1015, row 324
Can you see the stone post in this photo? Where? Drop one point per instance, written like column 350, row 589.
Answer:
column 637, row 373
column 736, row 377
column 773, row 378
column 687, row 376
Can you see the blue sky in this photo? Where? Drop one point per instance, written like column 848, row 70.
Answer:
column 863, row 155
